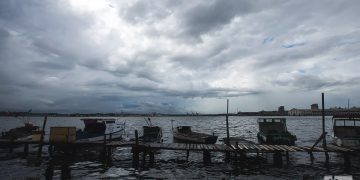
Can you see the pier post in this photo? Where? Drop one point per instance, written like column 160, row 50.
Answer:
column 187, row 154
column 144, row 157
column 104, row 150
column 42, row 137
column 236, row 157
column 277, row 159
column 287, row 157
column 327, row 159
column 50, row 150
column 347, row 163
column 311, row 157
column 227, row 142
column 152, row 158
column 49, row 172
column 109, row 155
column 206, row 157
column 135, row 151
column 11, row 146
column 26, row 149
column 65, row 172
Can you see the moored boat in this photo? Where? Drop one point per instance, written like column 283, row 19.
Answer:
column 20, row 133
column 151, row 133
column 96, row 128
column 186, row 135
column 274, row 131
column 347, row 130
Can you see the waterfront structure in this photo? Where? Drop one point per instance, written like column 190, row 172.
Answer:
column 314, row 107
column 281, row 109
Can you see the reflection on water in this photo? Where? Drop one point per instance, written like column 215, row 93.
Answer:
column 173, row 164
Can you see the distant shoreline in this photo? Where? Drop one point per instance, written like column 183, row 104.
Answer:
column 158, row 115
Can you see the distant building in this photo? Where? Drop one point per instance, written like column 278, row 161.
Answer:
column 281, row 109
column 314, row 107
column 299, row 112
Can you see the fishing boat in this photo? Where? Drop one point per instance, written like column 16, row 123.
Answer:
column 151, row 133
column 96, row 128
column 274, row 131
column 186, row 135
column 347, row 130
column 21, row 133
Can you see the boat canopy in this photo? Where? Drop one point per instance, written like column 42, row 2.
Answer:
column 350, row 120
column 184, row 129
column 271, row 125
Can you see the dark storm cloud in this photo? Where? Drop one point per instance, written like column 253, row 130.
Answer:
column 210, row 15
column 143, row 56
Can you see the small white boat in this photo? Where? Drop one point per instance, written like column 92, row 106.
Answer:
column 347, row 130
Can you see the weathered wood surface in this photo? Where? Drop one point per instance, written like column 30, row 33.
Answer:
column 248, row 148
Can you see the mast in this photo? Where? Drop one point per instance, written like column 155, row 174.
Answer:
column 227, row 122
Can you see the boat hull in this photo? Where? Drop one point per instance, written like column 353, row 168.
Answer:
column 347, row 142
column 186, row 138
column 277, row 139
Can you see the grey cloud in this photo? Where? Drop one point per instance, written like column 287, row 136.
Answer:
column 148, row 11
column 313, row 82
column 53, row 58
column 210, row 15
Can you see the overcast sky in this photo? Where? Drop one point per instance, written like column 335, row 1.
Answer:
column 178, row 56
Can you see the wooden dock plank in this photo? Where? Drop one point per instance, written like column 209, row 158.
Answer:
column 281, row 148
column 206, row 146
column 270, row 147
column 288, row 148
column 219, row 147
column 213, row 147
column 263, row 147
column 245, row 147
column 257, row 147
column 297, row 148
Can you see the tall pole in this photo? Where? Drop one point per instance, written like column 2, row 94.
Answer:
column 323, row 119
column 227, row 122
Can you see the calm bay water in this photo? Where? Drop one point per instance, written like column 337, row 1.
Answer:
column 173, row 164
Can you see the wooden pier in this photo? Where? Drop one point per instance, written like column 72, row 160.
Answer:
column 145, row 149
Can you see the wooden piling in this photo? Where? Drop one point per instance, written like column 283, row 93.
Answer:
column 26, row 149
column 49, row 172
column 206, row 157
column 135, row 151
column 50, row 150
column 236, row 158
column 65, row 172
column 287, row 157
column 11, row 146
column 311, row 157
column 187, row 154
column 42, row 137
column 104, row 150
column 227, row 142
column 152, row 158
column 277, row 157
column 347, row 163
column 144, row 158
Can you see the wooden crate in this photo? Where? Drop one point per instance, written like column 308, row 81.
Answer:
column 62, row 134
